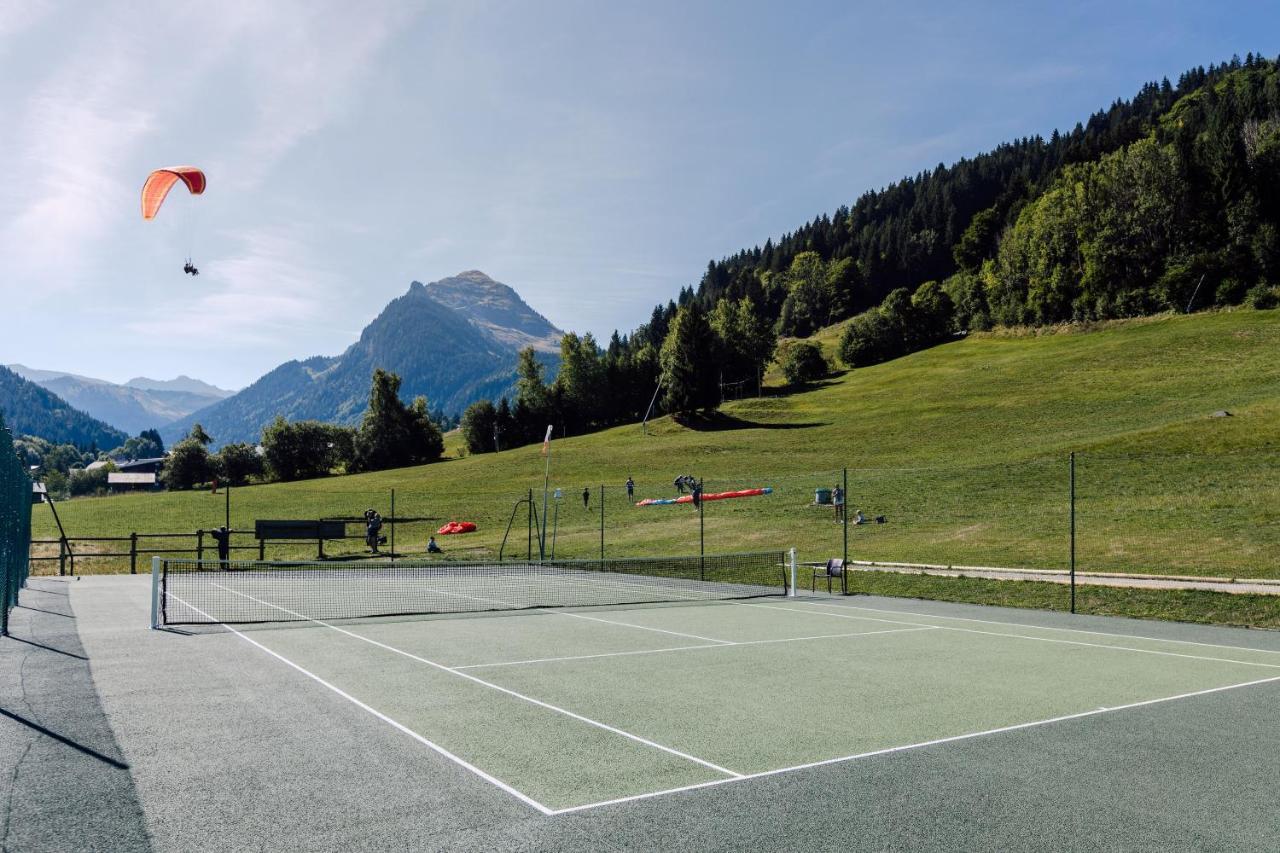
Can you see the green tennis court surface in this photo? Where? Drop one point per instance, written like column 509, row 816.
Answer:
column 788, row 723
column 569, row 709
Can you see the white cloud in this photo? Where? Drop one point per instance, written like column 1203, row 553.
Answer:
column 248, row 299
column 72, row 134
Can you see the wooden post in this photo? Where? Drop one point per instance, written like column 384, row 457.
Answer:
column 133, row 553
column 199, row 544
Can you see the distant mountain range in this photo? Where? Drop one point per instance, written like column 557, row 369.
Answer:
column 453, row 341
column 139, row 404
column 29, row 409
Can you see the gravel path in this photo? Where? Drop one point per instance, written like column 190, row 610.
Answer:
column 1239, row 586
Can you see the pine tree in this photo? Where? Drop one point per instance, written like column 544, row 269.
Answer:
column 689, row 369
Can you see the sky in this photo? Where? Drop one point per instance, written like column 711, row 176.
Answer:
column 594, row 156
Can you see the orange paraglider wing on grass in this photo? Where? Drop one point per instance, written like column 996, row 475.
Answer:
column 161, row 181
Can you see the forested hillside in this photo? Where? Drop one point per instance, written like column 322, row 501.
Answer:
column 1169, row 201
column 31, row 410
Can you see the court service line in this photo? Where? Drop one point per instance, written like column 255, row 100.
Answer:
column 469, row 677
column 556, row 612
column 1033, row 639
column 643, row 627
column 721, row 645
column 1044, row 627
column 433, row 746
column 913, row 746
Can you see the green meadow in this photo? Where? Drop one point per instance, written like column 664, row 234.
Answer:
column 964, row 449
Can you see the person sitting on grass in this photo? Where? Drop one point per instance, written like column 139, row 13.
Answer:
column 432, row 547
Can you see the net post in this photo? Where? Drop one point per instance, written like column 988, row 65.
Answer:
column 155, row 593
column 791, row 559
column 601, row 521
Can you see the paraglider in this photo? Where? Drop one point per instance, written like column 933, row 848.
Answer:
column 716, row 496
column 156, row 189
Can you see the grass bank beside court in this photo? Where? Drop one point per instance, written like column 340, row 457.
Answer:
column 964, row 448
column 1216, row 608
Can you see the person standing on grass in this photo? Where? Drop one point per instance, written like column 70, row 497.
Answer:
column 586, row 497
column 631, row 488
column 837, row 498
column 222, row 536
column 372, row 527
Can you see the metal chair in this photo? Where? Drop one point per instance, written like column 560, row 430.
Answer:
column 832, row 570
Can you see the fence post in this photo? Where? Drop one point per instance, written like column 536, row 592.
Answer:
column 1073, row 531
column 393, row 525
column 702, row 528
column 200, row 544
column 602, row 521
column 133, row 553
column 844, row 527
column 62, row 556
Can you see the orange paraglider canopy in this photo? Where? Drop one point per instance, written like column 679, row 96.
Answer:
column 161, row 181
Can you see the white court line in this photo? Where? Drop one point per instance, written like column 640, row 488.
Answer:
column 555, row 612
column 642, row 627
column 435, row 747
column 737, row 777
column 721, row 645
column 499, row 688
column 912, row 746
column 1025, row 637
column 1041, row 627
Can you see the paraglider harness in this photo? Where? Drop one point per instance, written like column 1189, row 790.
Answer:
column 190, row 268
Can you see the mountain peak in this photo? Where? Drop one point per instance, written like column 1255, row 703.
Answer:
column 496, row 309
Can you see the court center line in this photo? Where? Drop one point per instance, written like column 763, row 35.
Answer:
column 642, row 627
column 1043, row 627
column 690, row 648
column 433, row 746
column 468, row 676
column 1033, row 639
column 913, row 746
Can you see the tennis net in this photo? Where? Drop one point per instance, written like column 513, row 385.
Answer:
column 189, row 592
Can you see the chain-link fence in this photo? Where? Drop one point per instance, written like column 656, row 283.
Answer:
column 1180, row 515
column 15, row 526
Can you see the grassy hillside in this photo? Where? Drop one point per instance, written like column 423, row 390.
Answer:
column 963, row 447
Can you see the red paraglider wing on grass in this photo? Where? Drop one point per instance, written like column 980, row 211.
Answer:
column 161, row 181
column 714, row 496
column 457, row 527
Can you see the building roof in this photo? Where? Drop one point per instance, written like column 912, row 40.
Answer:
column 117, row 479
column 154, row 462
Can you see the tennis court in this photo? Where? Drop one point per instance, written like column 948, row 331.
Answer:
column 753, row 716
column 568, row 709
